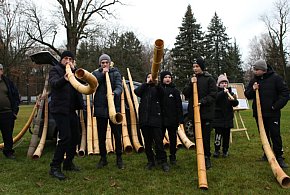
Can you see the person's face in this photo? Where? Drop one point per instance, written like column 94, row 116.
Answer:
column 66, row 60
column 167, row 79
column 223, row 84
column 105, row 64
column 149, row 78
column 197, row 69
column 259, row 72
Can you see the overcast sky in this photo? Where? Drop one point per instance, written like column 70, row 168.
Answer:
column 153, row 19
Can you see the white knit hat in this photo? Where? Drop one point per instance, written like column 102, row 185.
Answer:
column 221, row 78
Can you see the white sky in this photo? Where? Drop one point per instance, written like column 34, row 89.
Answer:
column 153, row 19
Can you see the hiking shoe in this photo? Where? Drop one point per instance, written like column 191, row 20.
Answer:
column 216, row 154
column 150, row 165
column 11, row 156
column 70, row 167
column 56, row 172
column 103, row 162
column 207, row 162
column 165, row 167
column 172, row 159
column 281, row 162
column 120, row 163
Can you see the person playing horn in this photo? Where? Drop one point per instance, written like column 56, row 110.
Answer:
column 150, row 121
column 274, row 95
column 224, row 114
column 101, row 110
column 172, row 114
column 207, row 91
column 65, row 100
column 9, row 107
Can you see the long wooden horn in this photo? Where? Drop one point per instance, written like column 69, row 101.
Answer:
column 138, row 147
column 157, row 58
column 201, row 170
column 34, row 138
column 126, row 139
column 116, row 118
column 109, row 144
column 89, row 127
column 85, row 76
column 187, row 143
column 96, row 147
column 280, row 175
column 82, row 150
column 41, row 144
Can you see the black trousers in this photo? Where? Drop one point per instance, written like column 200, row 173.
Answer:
column 206, row 129
column 272, row 128
column 222, row 137
column 6, row 127
column 172, row 134
column 68, row 138
column 102, row 124
column 153, row 135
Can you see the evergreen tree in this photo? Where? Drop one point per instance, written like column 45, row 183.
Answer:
column 217, row 47
column 188, row 46
column 235, row 72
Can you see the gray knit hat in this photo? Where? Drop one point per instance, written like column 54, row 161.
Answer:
column 104, row 57
column 221, row 78
column 260, row 65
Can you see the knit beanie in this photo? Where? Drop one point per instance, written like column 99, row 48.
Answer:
column 260, row 65
column 163, row 74
column 104, row 57
column 67, row 54
column 200, row 62
column 221, row 78
column 1, row 66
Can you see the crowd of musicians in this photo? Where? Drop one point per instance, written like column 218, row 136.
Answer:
column 160, row 111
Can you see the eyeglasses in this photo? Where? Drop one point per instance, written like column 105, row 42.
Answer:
column 105, row 62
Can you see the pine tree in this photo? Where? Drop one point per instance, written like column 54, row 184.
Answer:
column 188, row 46
column 217, row 47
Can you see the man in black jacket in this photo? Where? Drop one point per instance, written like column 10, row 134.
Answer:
column 65, row 100
column 207, row 91
column 274, row 95
column 9, row 107
column 101, row 110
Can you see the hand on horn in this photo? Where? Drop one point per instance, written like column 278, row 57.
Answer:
column 255, row 86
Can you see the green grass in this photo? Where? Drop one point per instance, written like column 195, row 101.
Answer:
column 240, row 173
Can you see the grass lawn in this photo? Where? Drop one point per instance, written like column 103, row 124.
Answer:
column 240, row 173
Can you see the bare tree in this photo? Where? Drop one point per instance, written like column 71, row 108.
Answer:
column 278, row 28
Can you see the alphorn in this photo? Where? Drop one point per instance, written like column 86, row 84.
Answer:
column 25, row 128
column 138, row 147
column 41, row 144
column 95, row 137
column 109, row 144
column 116, row 118
column 89, row 127
column 229, row 94
column 280, row 175
column 82, row 149
column 34, row 137
column 181, row 133
column 85, row 76
column 201, row 170
column 157, row 58
column 178, row 142
column 125, row 135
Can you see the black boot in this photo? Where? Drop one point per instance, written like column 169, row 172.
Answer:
column 216, row 154
column 150, row 165
column 70, row 166
column 165, row 166
column 172, row 159
column 56, row 172
column 120, row 163
column 103, row 162
column 207, row 162
column 281, row 162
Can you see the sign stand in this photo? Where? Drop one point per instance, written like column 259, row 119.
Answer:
column 238, row 121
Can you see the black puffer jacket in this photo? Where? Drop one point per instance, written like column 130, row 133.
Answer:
column 274, row 94
column 207, row 91
column 224, row 112
column 64, row 98
column 13, row 94
column 171, row 106
column 150, row 104
column 100, row 99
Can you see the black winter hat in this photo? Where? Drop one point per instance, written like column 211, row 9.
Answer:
column 163, row 74
column 200, row 62
column 67, row 54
